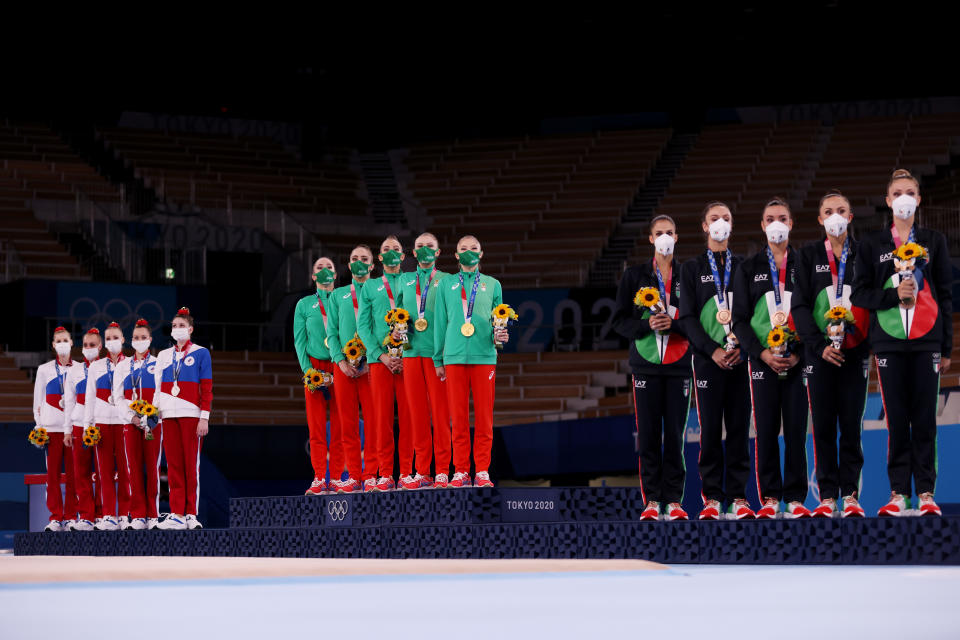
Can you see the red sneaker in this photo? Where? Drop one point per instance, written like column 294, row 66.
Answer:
column 409, row 482
column 348, row 486
column 460, row 479
column 740, row 510
column 827, row 509
column 796, row 510
column 317, row 488
column 386, row 484
column 652, row 512
column 771, row 507
column 676, row 512
column 711, row 510
column 852, row 508
column 927, row 506
column 370, row 484
column 482, row 480
column 897, row 506
column 441, row 481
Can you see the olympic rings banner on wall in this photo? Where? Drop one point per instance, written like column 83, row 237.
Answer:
column 95, row 305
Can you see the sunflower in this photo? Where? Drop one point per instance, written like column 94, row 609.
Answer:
column 316, row 378
column 401, row 315
column 390, row 318
column 909, row 251
column 776, row 337
column 646, row 297
column 149, row 410
column 352, row 352
column 88, row 441
column 836, row 314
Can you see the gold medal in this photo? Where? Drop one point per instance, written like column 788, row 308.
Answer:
column 420, row 324
column 723, row 316
column 467, row 329
column 326, row 342
column 779, row 318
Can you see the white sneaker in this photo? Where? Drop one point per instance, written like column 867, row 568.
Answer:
column 53, row 525
column 107, row 523
column 83, row 525
column 193, row 523
column 173, row 522
column 68, row 525
column 138, row 524
column 124, row 522
column 152, row 523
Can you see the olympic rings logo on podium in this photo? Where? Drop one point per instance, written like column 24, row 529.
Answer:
column 337, row 510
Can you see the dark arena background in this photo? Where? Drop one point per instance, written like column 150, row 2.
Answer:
column 139, row 179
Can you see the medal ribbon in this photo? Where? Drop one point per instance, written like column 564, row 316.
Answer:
column 386, row 286
column 356, row 307
column 721, row 287
column 664, row 289
column 779, row 277
column 323, row 313
column 896, row 235
column 60, row 376
column 178, row 364
column 468, row 307
column 422, row 309
column 837, row 274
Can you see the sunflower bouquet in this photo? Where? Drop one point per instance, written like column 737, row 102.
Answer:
column 838, row 319
column 503, row 316
column 780, row 340
column 149, row 416
column 91, row 436
column 394, row 347
column 399, row 321
column 905, row 260
column 649, row 298
column 38, row 437
column 355, row 352
column 315, row 379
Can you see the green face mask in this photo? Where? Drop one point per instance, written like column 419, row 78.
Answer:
column 324, row 276
column 391, row 258
column 469, row 258
column 426, row 255
column 359, row 269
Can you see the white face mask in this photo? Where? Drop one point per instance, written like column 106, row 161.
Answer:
column 140, row 345
column 91, row 353
column 719, row 230
column 180, row 334
column 777, row 232
column 62, row 348
column 904, row 206
column 114, row 346
column 835, row 225
column 664, row 244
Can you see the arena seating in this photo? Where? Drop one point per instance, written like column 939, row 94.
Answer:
column 16, row 396
column 205, row 171
column 543, row 208
column 38, row 165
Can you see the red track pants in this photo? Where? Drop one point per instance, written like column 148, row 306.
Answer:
column 60, row 508
column 426, row 398
column 353, row 393
column 139, row 452
column 109, row 457
column 83, row 464
column 386, row 387
column 317, row 406
column 481, row 379
column 182, row 448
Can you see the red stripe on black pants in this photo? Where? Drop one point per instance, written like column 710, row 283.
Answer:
column 60, row 507
column 181, row 445
column 837, row 396
column 661, row 405
column 909, row 382
column 723, row 399
column 775, row 400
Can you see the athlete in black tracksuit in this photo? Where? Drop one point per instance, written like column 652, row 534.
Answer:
column 722, row 391
column 661, row 387
column 772, row 398
column 836, row 393
column 908, row 347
